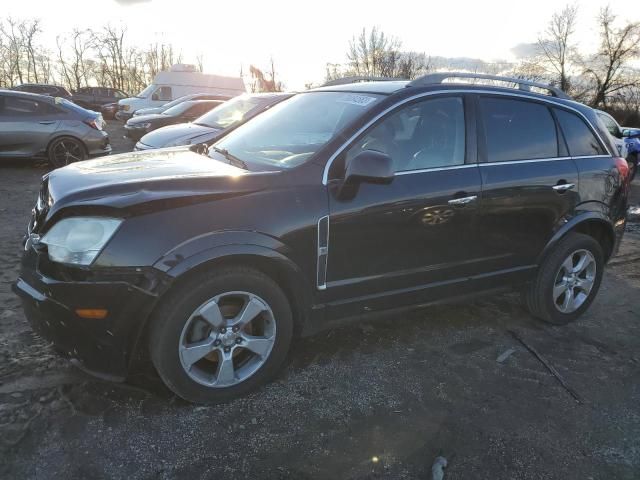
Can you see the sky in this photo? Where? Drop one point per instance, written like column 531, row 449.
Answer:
column 303, row 36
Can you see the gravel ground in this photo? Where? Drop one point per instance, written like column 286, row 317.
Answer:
column 377, row 400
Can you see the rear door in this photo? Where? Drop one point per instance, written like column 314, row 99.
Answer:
column 529, row 182
column 26, row 124
column 393, row 245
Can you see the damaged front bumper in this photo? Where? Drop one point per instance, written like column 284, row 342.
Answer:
column 103, row 347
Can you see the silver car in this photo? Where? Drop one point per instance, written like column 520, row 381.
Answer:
column 34, row 125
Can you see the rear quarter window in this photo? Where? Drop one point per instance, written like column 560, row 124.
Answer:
column 580, row 138
column 517, row 130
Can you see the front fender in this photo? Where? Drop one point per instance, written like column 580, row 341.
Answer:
column 249, row 248
column 215, row 245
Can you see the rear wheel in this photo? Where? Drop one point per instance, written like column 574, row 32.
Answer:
column 221, row 335
column 567, row 280
column 66, row 150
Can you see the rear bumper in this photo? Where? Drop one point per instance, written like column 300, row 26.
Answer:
column 98, row 143
column 102, row 347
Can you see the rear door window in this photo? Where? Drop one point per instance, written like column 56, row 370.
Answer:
column 580, row 139
column 517, row 130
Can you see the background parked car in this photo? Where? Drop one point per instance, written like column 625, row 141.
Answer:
column 628, row 148
column 166, row 106
column 44, row 89
column 632, row 139
column 188, row 111
column 94, row 98
column 37, row 125
column 212, row 125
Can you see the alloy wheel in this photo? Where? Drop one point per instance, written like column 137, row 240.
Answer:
column 66, row 152
column 574, row 281
column 227, row 339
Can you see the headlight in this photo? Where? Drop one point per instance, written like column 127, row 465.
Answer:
column 78, row 240
column 126, row 107
column 141, row 125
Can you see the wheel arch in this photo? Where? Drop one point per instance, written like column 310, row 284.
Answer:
column 594, row 224
column 269, row 262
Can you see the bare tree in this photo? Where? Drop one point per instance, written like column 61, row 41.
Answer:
column 556, row 45
column 264, row 81
column 608, row 67
column 373, row 54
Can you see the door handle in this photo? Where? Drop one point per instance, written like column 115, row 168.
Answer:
column 563, row 187
column 463, row 201
column 47, row 122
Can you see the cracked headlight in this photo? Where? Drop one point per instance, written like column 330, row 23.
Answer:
column 79, row 240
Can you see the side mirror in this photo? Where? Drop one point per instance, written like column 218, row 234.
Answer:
column 370, row 166
column 627, row 133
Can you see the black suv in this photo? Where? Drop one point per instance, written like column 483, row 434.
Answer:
column 339, row 202
column 94, row 98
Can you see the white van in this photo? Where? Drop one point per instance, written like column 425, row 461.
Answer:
column 180, row 80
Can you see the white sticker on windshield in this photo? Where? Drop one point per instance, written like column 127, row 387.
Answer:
column 360, row 100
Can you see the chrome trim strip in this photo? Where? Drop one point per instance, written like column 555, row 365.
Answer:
column 592, row 156
column 322, row 255
column 325, row 174
column 533, row 160
column 436, row 169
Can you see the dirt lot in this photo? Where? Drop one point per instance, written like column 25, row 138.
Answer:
column 377, row 400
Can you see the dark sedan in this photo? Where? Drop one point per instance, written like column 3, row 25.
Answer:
column 212, row 125
column 136, row 127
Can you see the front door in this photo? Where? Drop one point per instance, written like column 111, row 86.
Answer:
column 389, row 244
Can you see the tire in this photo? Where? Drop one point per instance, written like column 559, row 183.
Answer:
column 65, row 150
column 553, row 276
column 178, row 327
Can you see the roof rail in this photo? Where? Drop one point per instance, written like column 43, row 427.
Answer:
column 347, row 80
column 440, row 77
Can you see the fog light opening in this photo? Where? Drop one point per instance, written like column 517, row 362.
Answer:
column 92, row 313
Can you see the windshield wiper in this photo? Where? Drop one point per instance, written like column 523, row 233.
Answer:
column 232, row 159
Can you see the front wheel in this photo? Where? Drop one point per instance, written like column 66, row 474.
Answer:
column 567, row 281
column 221, row 335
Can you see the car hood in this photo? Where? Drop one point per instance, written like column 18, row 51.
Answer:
column 149, row 111
column 180, row 134
column 147, row 118
column 147, row 180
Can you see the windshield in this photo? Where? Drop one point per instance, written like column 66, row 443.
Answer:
column 292, row 131
column 173, row 103
column 146, row 92
column 229, row 113
column 178, row 109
